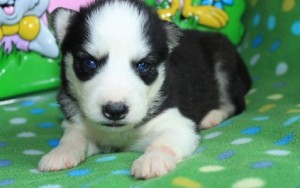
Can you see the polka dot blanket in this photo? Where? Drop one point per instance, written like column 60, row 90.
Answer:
column 258, row 148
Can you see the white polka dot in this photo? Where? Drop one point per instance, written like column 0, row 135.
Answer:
column 252, row 91
column 33, row 152
column 241, row 141
column 35, row 171
column 50, row 61
column 17, row 121
column 278, row 152
column 11, row 109
column 249, row 183
column 51, row 186
column 26, row 134
column 254, row 60
column 281, row 69
column 212, row 135
column 211, row 168
column 275, row 97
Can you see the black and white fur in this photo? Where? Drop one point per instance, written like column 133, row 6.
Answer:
column 131, row 82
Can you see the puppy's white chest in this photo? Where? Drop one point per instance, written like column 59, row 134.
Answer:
column 108, row 141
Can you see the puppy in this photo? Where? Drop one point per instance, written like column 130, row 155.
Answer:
column 131, row 82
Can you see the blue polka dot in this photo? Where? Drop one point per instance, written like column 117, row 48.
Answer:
column 263, row 164
column 6, row 182
column 106, row 159
column 226, row 155
column 28, row 103
column 121, row 172
column 257, row 41
column 5, row 162
column 81, row 172
column 199, row 150
column 279, row 84
column 261, row 118
column 46, row 125
column 296, row 28
column 53, row 142
column 2, row 144
column 225, row 123
column 255, row 78
column 285, row 140
column 37, row 111
column 54, row 105
column 271, row 22
column 275, row 45
column 291, row 120
column 256, row 20
column 251, row 130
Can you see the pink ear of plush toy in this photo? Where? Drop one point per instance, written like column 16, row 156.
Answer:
column 69, row 4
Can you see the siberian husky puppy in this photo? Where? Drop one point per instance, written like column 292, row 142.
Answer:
column 132, row 82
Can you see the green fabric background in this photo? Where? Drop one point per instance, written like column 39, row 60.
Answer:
column 259, row 148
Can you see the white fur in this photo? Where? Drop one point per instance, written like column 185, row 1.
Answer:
column 216, row 116
column 70, row 152
column 120, row 33
column 165, row 139
column 168, row 138
column 62, row 18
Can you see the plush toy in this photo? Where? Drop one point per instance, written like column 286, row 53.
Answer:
column 208, row 15
column 21, row 25
column 29, row 55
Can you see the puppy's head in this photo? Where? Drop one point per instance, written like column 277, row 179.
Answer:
column 113, row 59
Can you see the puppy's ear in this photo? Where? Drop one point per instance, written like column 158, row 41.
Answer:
column 60, row 20
column 173, row 35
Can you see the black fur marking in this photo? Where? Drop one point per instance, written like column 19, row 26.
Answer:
column 84, row 73
column 150, row 76
column 190, row 83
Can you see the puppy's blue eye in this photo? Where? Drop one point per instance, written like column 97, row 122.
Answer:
column 143, row 67
column 90, row 64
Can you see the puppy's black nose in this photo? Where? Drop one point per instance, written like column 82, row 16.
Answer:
column 115, row 111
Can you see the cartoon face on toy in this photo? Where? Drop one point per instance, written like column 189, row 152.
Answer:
column 21, row 26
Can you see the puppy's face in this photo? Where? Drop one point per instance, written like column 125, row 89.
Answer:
column 113, row 60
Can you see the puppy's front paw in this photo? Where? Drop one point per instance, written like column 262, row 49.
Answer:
column 60, row 158
column 153, row 164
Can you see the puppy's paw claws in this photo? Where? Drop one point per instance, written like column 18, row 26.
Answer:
column 60, row 159
column 153, row 164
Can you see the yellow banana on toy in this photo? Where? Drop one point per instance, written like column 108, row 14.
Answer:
column 207, row 15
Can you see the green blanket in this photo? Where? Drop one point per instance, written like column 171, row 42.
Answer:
column 258, row 148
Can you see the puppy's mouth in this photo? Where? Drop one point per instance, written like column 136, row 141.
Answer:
column 113, row 124
column 8, row 8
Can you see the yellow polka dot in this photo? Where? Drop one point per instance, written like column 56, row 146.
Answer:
column 267, row 107
column 249, row 183
column 186, row 183
column 275, row 97
column 288, row 5
column 211, row 168
column 253, row 2
column 291, row 111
